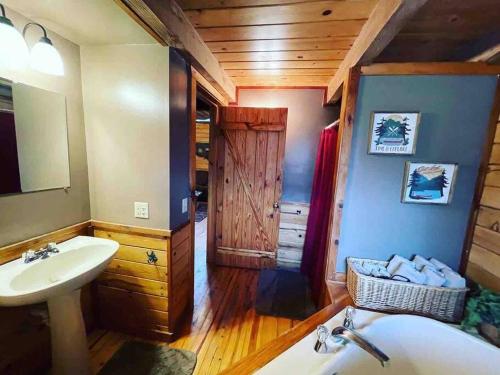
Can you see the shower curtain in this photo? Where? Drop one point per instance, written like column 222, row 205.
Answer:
column 315, row 245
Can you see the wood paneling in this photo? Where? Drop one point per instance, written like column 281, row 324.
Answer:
column 256, row 65
column 146, row 271
column 282, row 80
column 134, row 284
column 202, row 133
column 277, row 72
column 283, row 35
column 214, row 4
column 282, row 55
column 318, row 11
column 249, row 183
column 292, row 233
column 144, row 241
column 123, row 298
column 285, row 31
column 267, row 45
column 445, row 30
column 140, row 255
column 182, row 275
column 481, row 258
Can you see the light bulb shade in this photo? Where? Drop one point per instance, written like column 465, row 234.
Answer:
column 14, row 53
column 45, row 58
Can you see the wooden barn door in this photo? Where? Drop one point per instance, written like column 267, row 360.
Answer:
column 249, row 156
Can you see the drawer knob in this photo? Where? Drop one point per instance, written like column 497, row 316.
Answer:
column 152, row 258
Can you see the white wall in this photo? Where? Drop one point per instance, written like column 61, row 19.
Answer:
column 126, row 101
column 26, row 215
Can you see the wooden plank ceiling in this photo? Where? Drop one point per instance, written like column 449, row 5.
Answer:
column 279, row 42
column 446, row 30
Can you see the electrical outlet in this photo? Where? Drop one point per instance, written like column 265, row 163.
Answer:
column 141, row 210
column 184, row 205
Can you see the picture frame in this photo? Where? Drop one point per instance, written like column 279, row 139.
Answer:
column 393, row 133
column 428, row 183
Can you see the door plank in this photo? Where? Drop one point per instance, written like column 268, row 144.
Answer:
column 270, row 181
column 227, row 213
column 249, row 227
column 238, row 166
column 260, row 173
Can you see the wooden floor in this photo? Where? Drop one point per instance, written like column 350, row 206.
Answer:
column 224, row 326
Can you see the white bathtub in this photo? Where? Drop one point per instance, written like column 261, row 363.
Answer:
column 414, row 344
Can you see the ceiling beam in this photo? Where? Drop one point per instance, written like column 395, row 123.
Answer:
column 168, row 21
column 386, row 20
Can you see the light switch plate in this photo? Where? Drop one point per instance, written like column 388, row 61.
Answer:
column 141, row 210
column 184, row 205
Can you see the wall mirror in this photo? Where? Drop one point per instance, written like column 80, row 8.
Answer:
column 33, row 139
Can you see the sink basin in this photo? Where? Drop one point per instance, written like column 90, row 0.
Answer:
column 58, row 280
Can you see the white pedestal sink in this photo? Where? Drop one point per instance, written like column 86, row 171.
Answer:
column 58, row 280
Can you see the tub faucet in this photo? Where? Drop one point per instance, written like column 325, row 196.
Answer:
column 43, row 253
column 347, row 333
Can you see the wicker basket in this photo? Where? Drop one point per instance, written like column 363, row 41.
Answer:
column 446, row 304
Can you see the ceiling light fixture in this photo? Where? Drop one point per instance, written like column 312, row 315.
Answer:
column 44, row 57
column 14, row 52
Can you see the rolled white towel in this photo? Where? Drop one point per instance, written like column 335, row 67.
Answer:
column 421, row 262
column 405, row 272
column 439, row 265
column 380, row 271
column 434, row 277
column 396, row 262
column 358, row 267
column 453, row 279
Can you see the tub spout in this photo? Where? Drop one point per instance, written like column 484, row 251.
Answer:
column 350, row 335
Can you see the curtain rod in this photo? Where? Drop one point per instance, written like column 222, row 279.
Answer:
column 333, row 124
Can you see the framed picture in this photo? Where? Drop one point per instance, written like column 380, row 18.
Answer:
column 393, row 133
column 428, row 183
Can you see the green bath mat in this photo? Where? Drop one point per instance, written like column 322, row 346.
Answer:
column 141, row 358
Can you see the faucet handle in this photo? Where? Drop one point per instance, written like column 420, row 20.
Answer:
column 349, row 317
column 51, row 246
column 27, row 256
column 323, row 335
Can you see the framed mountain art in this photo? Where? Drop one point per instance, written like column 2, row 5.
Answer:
column 393, row 133
column 428, row 183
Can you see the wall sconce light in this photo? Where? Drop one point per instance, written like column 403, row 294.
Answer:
column 14, row 53
column 44, row 57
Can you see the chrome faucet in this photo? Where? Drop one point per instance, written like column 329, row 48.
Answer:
column 347, row 333
column 43, row 253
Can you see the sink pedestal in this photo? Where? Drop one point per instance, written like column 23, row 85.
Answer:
column 67, row 330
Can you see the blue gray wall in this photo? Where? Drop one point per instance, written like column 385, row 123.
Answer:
column 180, row 112
column 454, row 119
column 306, row 118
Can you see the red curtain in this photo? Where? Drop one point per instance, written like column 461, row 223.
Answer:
column 315, row 245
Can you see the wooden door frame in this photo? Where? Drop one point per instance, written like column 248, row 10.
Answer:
column 348, row 109
column 201, row 87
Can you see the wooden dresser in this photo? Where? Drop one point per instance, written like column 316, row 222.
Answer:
column 149, row 284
